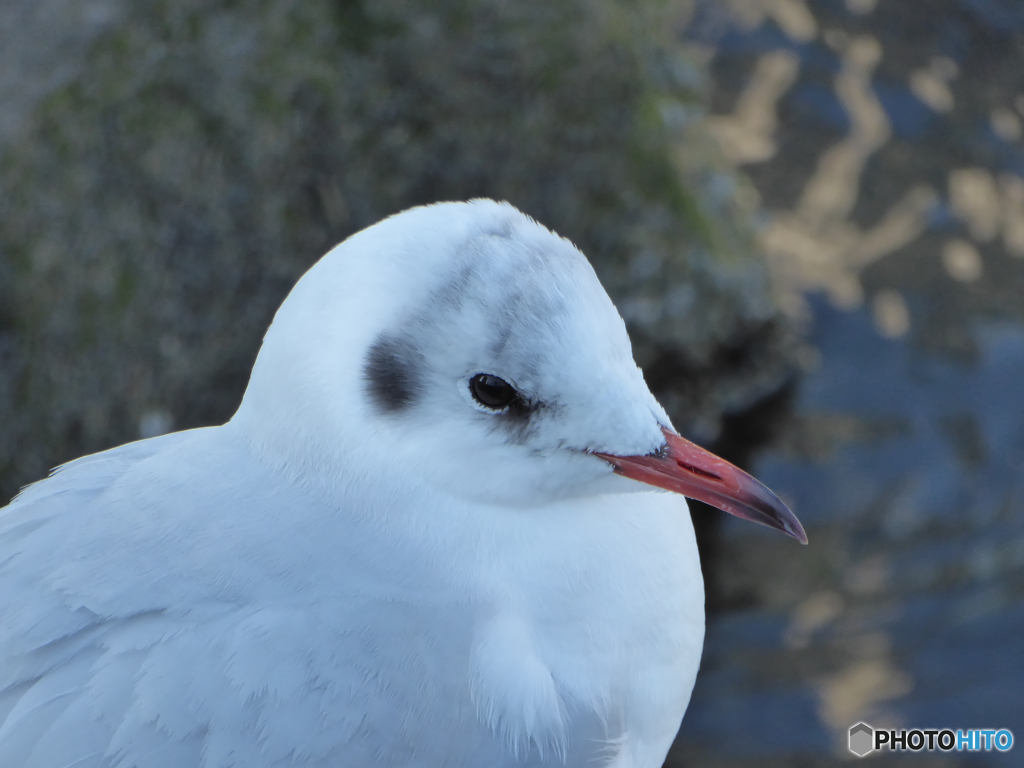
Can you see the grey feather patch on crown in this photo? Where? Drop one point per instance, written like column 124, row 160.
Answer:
column 392, row 373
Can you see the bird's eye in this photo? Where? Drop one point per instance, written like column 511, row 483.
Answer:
column 492, row 392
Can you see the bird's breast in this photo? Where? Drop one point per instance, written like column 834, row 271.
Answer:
column 593, row 642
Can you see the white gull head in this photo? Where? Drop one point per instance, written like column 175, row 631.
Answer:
column 476, row 350
column 378, row 346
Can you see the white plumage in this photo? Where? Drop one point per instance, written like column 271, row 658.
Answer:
column 365, row 566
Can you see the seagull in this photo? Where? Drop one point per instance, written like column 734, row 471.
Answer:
column 445, row 527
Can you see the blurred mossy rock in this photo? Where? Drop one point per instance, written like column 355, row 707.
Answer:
column 169, row 168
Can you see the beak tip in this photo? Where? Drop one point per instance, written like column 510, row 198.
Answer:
column 792, row 527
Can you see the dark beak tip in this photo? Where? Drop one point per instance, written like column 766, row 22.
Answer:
column 792, row 527
column 787, row 524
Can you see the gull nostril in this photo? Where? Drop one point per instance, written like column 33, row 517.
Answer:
column 698, row 471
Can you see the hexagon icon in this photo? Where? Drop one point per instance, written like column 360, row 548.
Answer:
column 862, row 739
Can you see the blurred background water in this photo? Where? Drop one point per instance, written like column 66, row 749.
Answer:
column 884, row 140
column 810, row 212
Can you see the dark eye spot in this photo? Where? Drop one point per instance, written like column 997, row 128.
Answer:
column 391, row 373
column 492, row 392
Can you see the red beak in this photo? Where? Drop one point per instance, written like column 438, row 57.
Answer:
column 688, row 469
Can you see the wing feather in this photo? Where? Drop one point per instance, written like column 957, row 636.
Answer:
column 60, row 688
